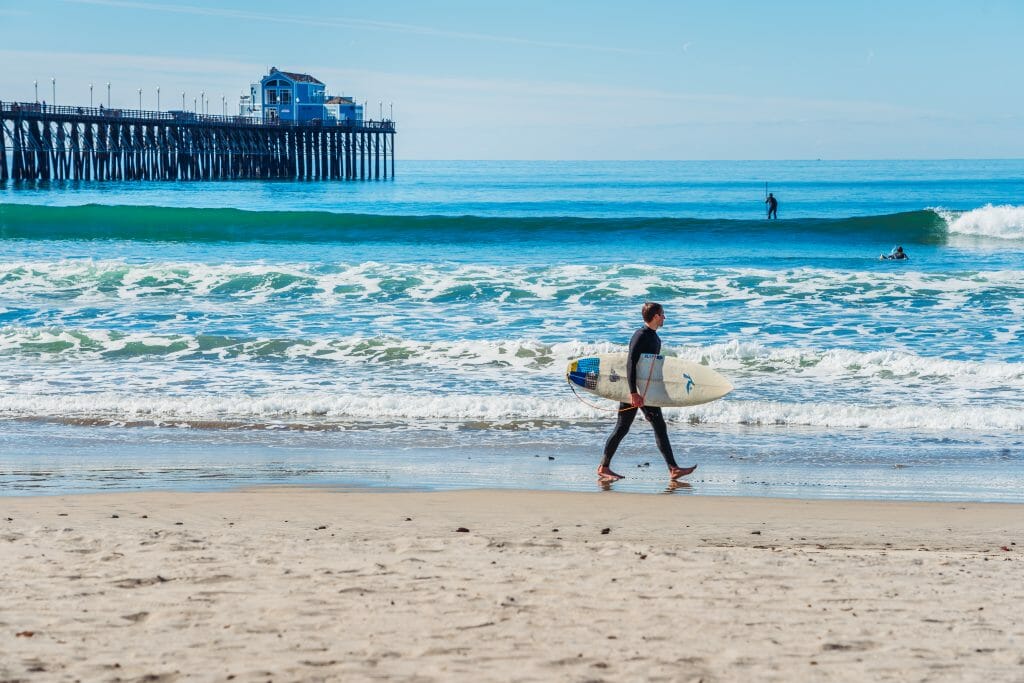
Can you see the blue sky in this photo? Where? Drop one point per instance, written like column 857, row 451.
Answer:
column 568, row 80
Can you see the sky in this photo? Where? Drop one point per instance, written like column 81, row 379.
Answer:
column 566, row 79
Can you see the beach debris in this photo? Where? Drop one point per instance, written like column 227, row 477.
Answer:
column 115, row 516
column 551, row 457
column 136, row 617
column 606, row 530
column 320, row 528
column 179, row 523
column 408, row 519
column 462, row 529
column 755, row 533
column 1005, row 547
column 24, row 634
column 136, row 583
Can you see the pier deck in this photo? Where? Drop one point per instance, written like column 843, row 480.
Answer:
column 48, row 142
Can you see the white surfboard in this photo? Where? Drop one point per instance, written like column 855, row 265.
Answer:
column 663, row 381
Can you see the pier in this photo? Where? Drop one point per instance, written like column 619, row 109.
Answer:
column 48, row 142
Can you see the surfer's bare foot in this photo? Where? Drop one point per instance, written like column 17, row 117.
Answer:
column 607, row 474
column 677, row 472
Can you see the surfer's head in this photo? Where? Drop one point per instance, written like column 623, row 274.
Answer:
column 653, row 314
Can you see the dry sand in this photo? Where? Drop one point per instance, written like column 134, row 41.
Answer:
column 306, row 585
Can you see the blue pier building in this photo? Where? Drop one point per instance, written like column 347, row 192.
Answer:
column 301, row 98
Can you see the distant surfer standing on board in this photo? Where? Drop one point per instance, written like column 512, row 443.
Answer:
column 645, row 340
column 773, row 206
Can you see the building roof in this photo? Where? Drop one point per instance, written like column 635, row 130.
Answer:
column 339, row 100
column 297, row 77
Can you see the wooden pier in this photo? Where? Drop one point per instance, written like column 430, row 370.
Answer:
column 47, row 142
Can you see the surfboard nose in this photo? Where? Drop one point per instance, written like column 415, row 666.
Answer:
column 713, row 392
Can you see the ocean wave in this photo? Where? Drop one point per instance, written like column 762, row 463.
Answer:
column 532, row 358
column 334, row 411
column 117, row 280
column 1005, row 222
column 176, row 224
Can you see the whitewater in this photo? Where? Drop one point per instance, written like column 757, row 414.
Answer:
column 415, row 332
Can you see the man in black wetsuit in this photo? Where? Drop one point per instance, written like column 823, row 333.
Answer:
column 773, row 206
column 645, row 340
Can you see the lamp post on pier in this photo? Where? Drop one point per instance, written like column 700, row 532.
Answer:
column 140, row 99
column 182, row 100
column 90, row 96
column 35, row 84
column 202, row 97
column 53, row 83
column 108, row 95
column 158, row 98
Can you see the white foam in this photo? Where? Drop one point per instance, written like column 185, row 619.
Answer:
column 848, row 363
column 513, row 358
column 1003, row 222
column 89, row 281
column 436, row 407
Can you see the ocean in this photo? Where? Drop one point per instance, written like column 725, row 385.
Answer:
column 413, row 333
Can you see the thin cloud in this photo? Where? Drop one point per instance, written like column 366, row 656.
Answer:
column 204, row 72
column 348, row 22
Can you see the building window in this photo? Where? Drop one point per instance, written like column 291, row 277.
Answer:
column 286, row 96
column 271, row 97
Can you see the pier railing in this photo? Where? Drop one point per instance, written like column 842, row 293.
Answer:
column 177, row 116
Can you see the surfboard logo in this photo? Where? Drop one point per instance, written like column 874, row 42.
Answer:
column 584, row 372
column 689, row 382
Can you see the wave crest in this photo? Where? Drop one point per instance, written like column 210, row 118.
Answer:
column 178, row 224
column 1004, row 222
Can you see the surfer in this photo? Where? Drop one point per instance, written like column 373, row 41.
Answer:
column 645, row 340
column 773, row 206
column 896, row 254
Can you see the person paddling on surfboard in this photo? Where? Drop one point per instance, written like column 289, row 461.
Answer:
column 645, row 340
column 897, row 254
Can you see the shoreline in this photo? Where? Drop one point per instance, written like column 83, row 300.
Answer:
column 297, row 583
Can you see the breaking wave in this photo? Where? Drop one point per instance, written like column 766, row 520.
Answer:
column 175, row 224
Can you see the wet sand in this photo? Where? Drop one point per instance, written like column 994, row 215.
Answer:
column 293, row 584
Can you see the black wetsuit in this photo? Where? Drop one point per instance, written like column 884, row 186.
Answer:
column 645, row 340
column 773, row 208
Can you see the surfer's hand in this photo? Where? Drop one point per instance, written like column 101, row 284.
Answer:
column 636, row 400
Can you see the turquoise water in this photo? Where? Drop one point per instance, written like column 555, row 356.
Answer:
column 415, row 332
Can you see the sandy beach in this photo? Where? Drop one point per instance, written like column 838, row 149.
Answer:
column 291, row 584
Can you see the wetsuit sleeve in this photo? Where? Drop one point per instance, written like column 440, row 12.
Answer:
column 634, row 355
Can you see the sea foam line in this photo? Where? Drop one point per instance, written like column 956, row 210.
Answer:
column 531, row 357
column 331, row 284
column 427, row 409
